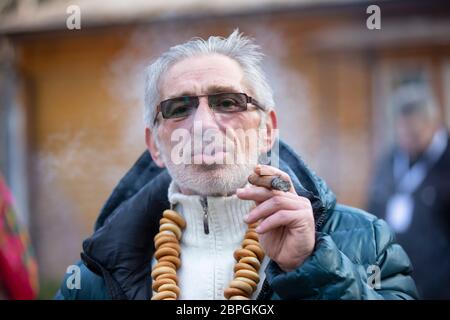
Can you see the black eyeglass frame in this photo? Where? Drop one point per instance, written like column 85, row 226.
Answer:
column 248, row 100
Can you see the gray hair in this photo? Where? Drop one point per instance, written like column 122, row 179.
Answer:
column 414, row 98
column 236, row 46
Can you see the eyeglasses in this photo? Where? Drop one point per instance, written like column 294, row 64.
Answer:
column 182, row 107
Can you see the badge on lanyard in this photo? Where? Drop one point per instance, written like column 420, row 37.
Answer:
column 399, row 212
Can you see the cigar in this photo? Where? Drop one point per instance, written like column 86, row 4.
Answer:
column 274, row 182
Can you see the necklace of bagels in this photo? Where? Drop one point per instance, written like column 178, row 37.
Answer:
column 248, row 257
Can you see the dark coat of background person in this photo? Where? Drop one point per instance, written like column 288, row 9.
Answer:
column 427, row 241
column 116, row 259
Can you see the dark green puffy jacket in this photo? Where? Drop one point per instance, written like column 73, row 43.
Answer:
column 355, row 256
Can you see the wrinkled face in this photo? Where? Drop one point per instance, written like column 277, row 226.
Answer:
column 414, row 133
column 208, row 152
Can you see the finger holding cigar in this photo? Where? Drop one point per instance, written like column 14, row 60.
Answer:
column 266, row 182
column 286, row 220
column 270, row 178
column 274, row 182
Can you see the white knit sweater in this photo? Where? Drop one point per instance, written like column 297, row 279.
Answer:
column 207, row 259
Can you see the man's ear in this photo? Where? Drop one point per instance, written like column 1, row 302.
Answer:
column 153, row 148
column 271, row 130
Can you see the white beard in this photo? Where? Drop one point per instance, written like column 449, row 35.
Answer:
column 215, row 179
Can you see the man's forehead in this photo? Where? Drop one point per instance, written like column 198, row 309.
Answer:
column 191, row 89
column 202, row 75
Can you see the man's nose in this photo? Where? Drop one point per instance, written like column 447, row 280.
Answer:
column 205, row 114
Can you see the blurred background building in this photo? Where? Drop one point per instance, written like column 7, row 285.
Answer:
column 71, row 100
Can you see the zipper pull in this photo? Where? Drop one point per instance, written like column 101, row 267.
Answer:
column 204, row 202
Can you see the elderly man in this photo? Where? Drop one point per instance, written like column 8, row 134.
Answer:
column 280, row 237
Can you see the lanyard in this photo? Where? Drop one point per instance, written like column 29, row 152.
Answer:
column 409, row 179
